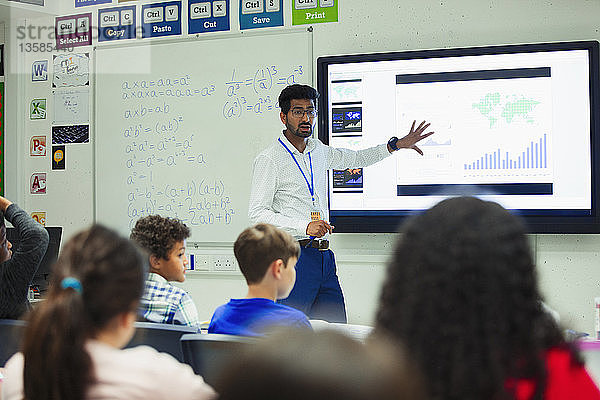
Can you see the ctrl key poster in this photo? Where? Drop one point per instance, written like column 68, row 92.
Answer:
column 73, row 31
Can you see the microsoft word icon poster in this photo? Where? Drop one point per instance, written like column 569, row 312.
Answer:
column 39, row 71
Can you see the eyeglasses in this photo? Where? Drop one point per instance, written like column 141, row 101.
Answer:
column 299, row 112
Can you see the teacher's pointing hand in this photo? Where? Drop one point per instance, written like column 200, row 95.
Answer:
column 415, row 135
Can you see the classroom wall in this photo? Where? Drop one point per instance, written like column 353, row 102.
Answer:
column 568, row 264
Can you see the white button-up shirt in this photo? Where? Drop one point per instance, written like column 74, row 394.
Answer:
column 280, row 196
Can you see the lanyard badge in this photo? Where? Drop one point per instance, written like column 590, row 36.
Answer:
column 315, row 215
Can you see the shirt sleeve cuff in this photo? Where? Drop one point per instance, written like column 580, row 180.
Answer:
column 383, row 150
column 10, row 212
column 301, row 228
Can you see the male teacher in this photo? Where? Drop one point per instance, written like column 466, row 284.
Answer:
column 289, row 186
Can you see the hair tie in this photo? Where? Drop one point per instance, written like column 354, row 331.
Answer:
column 70, row 282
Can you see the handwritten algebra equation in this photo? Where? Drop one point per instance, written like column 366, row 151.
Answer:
column 197, row 202
column 164, row 87
column 254, row 94
column 165, row 126
column 168, row 152
column 158, row 145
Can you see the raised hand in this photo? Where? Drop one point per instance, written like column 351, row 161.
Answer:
column 414, row 136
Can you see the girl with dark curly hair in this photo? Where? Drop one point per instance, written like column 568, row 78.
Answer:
column 461, row 293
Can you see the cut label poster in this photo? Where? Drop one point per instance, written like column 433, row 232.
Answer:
column 71, row 70
column 204, row 16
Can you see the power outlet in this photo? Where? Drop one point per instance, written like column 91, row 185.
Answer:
column 198, row 262
column 224, row 263
column 202, row 263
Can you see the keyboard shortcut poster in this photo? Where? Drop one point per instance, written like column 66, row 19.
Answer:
column 308, row 12
column 161, row 19
column 73, row 31
column 208, row 16
column 116, row 23
column 260, row 13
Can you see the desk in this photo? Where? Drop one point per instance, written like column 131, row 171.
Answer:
column 357, row 332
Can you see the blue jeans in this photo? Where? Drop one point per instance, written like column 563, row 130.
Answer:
column 317, row 291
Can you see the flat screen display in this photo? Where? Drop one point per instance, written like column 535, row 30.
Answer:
column 514, row 124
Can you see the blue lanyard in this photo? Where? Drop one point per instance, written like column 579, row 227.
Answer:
column 311, row 185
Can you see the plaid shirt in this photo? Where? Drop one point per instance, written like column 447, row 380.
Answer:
column 167, row 304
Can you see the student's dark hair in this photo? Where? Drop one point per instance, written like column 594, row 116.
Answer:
column 258, row 246
column 157, row 234
column 296, row 92
column 461, row 293
column 111, row 271
column 2, row 222
column 326, row 365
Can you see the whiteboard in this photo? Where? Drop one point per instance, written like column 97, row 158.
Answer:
column 178, row 125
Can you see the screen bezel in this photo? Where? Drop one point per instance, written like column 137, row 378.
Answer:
column 562, row 221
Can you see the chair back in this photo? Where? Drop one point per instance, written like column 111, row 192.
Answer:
column 162, row 337
column 11, row 333
column 209, row 354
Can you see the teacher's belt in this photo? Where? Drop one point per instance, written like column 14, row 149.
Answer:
column 322, row 244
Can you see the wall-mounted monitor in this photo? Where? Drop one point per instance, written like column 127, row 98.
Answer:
column 516, row 124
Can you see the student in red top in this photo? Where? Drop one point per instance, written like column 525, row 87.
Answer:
column 462, row 295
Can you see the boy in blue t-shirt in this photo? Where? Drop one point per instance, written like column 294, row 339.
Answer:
column 267, row 257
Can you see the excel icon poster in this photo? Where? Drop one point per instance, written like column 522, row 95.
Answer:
column 37, row 109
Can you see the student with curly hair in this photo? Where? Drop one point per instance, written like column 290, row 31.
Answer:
column 461, row 293
column 164, row 239
column 73, row 340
